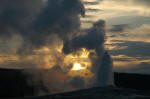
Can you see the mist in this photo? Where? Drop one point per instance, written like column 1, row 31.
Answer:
column 41, row 34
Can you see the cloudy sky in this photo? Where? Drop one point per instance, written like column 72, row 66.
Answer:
column 128, row 31
column 127, row 26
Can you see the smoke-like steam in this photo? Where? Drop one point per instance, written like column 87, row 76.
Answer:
column 94, row 40
column 40, row 23
column 105, row 71
column 36, row 20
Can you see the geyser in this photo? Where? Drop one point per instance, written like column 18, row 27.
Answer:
column 51, row 38
column 93, row 41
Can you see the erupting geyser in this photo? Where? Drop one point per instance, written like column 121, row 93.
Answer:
column 46, row 34
column 105, row 73
column 101, row 62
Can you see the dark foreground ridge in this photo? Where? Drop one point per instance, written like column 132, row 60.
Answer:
column 98, row 93
column 13, row 83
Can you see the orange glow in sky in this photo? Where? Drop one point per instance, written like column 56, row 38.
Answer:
column 77, row 66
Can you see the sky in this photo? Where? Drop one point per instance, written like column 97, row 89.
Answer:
column 128, row 31
column 127, row 34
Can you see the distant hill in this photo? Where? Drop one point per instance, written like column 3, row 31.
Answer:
column 13, row 83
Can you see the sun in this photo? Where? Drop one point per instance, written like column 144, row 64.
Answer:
column 77, row 66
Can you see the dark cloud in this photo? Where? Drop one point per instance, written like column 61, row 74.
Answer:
column 132, row 48
column 119, row 28
column 91, row 3
column 87, row 21
column 133, row 21
column 93, row 10
column 142, row 68
column 124, row 59
column 89, row 16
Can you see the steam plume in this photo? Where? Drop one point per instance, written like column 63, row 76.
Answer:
column 39, row 23
column 94, row 40
column 36, row 20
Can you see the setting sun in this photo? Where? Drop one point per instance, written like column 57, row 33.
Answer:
column 77, row 66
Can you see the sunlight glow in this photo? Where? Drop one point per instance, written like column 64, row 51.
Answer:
column 77, row 66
